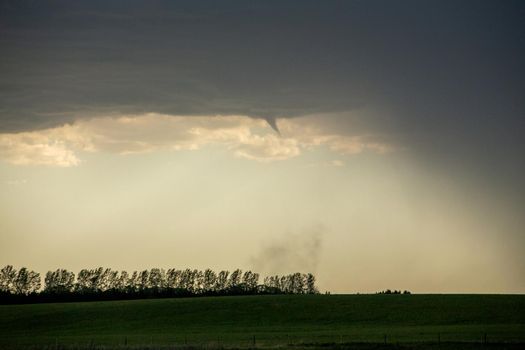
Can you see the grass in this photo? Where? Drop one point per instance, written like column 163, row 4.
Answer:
column 291, row 321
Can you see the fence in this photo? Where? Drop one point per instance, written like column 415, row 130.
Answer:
column 281, row 341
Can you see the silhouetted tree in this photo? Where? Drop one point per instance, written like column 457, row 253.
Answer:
column 297, row 283
column 97, row 277
column 310, row 284
column 235, row 279
column 286, row 284
column 222, row 280
column 186, row 280
column 198, row 281
column 209, row 281
column 108, row 280
column 272, row 284
column 122, row 282
column 26, row 281
column 250, row 281
column 59, row 281
column 156, row 279
column 133, row 282
column 7, row 279
column 143, row 280
column 94, row 280
column 83, row 283
column 173, row 278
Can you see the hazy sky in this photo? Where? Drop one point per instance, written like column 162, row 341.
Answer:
column 377, row 144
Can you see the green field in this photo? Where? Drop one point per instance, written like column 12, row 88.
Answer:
column 267, row 321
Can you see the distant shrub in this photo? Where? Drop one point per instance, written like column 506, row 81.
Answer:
column 388, row 291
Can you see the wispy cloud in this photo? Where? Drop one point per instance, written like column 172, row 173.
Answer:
column 36, row 149
column 245, row 137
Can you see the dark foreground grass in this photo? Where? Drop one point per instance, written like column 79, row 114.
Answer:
column 300, row 321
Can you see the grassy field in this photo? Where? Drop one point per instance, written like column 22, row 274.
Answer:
column 267, row 321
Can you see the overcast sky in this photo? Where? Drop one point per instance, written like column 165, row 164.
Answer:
column 377, row 144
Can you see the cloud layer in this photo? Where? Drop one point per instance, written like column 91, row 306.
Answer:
column 445, row 77
column 245, row 137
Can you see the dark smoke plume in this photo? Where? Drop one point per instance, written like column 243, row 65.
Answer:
column 293, row 252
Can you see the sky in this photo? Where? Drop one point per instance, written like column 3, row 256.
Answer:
column 376, row 144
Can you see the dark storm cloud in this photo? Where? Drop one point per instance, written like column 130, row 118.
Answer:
column 446, row 77
column 267, row 60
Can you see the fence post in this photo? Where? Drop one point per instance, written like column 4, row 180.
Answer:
column 253, row 341
column 439, row 338
column 384, row 338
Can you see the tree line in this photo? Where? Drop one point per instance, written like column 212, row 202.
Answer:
column 101, row 283
column 388, row 291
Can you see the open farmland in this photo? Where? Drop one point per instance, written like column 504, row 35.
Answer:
column 267, row 321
